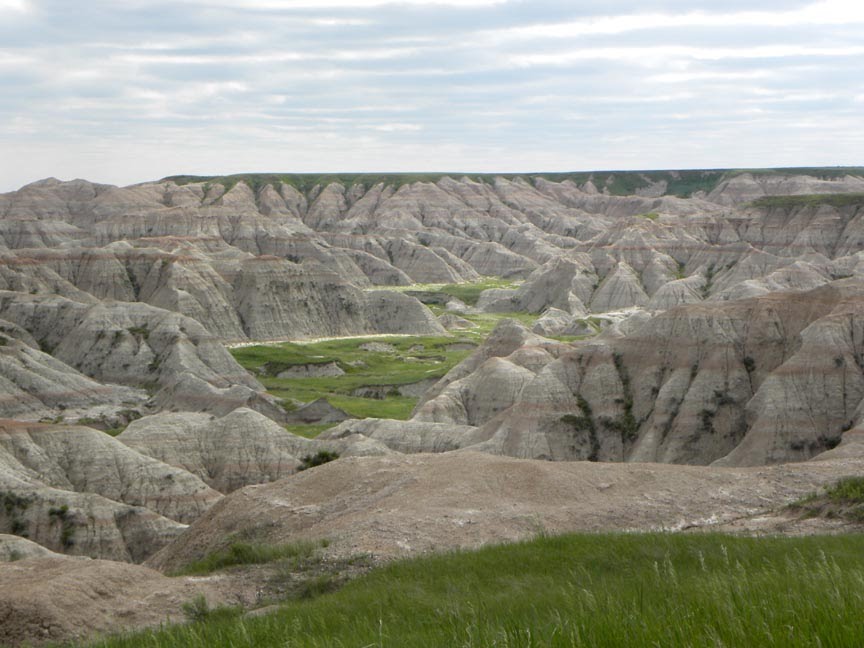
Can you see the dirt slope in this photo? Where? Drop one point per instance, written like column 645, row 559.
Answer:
column 406, row 504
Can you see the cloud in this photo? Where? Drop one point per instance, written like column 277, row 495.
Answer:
column 396, row 127
column 90, row 88
column 15, row 6
column 324, row 5
column 826, row 12
column 651, row 56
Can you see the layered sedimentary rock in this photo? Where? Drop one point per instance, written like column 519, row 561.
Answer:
column 746, row 382
column 78, row 490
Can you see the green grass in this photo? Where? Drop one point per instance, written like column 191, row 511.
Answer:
column 576, row 590
column 844, row 499
column 849, row 490
column 468, row 292
column 244, row 553
column 810, row 200
column 413, row 359
column 310, row 430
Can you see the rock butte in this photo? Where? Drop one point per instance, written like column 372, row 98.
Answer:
column 714, row 332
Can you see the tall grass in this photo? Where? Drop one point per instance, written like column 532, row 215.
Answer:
column 577, row 590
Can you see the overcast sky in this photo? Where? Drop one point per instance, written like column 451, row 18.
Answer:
column 123, row 91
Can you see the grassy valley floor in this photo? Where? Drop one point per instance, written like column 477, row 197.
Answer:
column 378, row 370
column 573, row 590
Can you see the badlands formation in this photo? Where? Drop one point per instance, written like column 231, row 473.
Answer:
column 695, row 359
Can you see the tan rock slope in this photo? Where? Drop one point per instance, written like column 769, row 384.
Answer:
column 400, row 505
column 58, row 598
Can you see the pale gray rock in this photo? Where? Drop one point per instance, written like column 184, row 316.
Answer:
column 318, row 411
column 620, row 289
column 675, row 293
column 406, row 436
column 453, row 322
column 747, row 187
column 227, row 453
column 139, row 345
column 490, row 389
column 312, row 370
column 14, row 548
column 507, row 337
column 84, row 460
column 393, row 312
column 552, row 322
column 497, row 300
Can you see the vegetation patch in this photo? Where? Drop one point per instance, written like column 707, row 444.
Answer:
column 406, row 360
column 584, row 424
column 467, row 292
column 318, row 459
column 60, row 515
column 376, row 362
column 575, row 590
column 810, row 200
column 626, row 425
column 14, row 506
column 245, row 553
column 309, row 430
column 140, row 332
column 844, row 500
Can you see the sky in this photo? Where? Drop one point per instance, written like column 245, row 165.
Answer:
column 124, row 91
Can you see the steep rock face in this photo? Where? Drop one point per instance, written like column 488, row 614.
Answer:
column 808, row 402
column 139, row 345
column 491, row 388
column 274, row 297
column 83, row 523
column 675, row 293
column 229, row 255
column 227, row 453
column 80, row 459
column 742, row 383
column 561, row 283
column 33, row 385
column 620, row 289
column 239, row 449
column 392, row 312
column 138, row 285
column 406, row 436
column 507, row 337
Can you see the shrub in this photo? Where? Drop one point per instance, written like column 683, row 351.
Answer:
column 319, row 458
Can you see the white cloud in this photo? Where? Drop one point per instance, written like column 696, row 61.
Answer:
column 365, row 54
column 345, row 4
column 16, row 6
column 827, row 12
column 656, row 56
column 396, row 128
column 691, row 77
column 9, row 59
